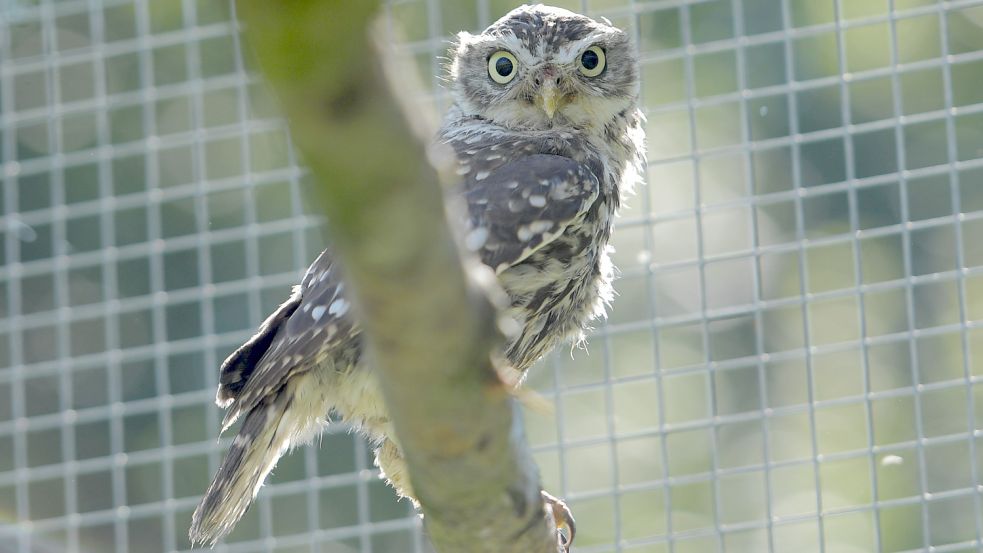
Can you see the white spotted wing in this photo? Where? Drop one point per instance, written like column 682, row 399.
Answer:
column 522, row 205
column 515, row 207
column 315, row 321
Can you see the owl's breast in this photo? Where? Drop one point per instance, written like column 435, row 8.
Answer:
column 565, row 282
column 560, row 288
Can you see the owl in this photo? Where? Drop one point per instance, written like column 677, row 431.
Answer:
column 548, row 139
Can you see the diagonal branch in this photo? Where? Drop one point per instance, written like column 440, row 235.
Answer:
column 429, row 322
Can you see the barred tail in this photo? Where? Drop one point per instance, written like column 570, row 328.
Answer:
column 254, row 452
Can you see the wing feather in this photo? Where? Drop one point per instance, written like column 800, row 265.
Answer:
column 239, row 366
column 522, row 205
column 318, row 323
column 515, row 207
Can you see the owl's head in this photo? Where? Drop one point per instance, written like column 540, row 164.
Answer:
column 540, row 67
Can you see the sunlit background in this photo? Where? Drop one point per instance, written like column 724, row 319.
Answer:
column 794, row 362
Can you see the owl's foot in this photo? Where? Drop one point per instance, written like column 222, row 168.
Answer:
column 390, row 460
column 566, row 526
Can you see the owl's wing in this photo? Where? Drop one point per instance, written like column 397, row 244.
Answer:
column 312, row 322
column 514, row 209
column 520, row 206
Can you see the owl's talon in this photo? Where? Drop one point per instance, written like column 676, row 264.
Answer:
column 566, row 526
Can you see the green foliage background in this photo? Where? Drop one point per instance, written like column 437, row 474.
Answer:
column 796, row 330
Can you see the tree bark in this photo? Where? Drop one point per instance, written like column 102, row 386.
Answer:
column 429, row 316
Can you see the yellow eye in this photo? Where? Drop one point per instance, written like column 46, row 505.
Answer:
column 502, row 67
column 591, row 62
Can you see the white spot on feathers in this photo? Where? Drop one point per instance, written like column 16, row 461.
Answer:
column 480, row 175
column 476, row 238
column 537, row 201
column 338, row 307
column 318, row 312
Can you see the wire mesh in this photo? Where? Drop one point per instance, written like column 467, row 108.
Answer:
column 792, row 364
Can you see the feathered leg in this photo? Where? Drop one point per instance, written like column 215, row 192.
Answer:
column 389, row 459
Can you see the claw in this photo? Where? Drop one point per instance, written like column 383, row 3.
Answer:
column 566, row 526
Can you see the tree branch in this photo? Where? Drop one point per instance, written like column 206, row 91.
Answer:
column 430, row 326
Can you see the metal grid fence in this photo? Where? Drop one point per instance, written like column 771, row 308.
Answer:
column 794, row 362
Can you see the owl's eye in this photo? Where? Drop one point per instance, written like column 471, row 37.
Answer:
column 502, row 66
column 591, row 62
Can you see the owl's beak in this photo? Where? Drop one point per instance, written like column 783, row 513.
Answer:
column 549, row 97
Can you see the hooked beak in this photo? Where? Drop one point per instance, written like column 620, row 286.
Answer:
column 550, row 99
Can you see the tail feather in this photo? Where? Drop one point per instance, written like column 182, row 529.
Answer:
column 254, row 452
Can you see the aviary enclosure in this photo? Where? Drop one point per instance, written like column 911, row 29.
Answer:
column 793, row 363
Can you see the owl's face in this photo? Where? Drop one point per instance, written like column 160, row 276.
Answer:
column 541, row 67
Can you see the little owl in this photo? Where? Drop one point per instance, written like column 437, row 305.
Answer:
column 548, row 139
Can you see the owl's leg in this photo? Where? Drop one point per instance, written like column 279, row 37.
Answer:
column 390, row 461
column 565, row 524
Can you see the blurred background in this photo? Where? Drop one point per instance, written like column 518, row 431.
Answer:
column 794, row 362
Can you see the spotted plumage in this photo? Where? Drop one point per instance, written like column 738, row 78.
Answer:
column 548, row 138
